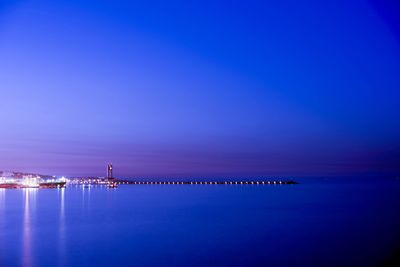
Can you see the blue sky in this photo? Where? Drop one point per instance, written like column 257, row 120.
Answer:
column 193, row 88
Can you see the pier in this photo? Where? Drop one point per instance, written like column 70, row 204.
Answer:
column 112, row 182
column 268, row 182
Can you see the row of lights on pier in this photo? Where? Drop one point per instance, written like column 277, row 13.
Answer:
column 226, row 182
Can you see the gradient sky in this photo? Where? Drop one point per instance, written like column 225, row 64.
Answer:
column 193, row 88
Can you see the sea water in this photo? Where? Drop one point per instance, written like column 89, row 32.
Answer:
column 319, row 222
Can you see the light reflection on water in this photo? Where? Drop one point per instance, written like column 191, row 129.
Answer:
column 62, row 230
column 2, row 198
column 29, row 203
column 29, row 214
column 2, row 218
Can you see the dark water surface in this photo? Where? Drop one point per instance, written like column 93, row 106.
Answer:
column 316, row 223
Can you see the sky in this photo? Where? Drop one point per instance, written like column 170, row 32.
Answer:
column 200, row 88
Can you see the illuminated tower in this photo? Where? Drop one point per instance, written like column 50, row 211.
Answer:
column 109, row 171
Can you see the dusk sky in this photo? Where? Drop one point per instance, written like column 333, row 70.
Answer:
column 200, row 88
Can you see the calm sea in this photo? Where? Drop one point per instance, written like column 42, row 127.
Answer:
column 320, row 222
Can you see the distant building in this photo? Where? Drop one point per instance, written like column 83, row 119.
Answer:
column 109, row 171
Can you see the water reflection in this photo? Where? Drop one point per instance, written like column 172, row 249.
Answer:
column 2, row 202
column 61, row 245
column 29, row 195
column 86, row 196
column 2, row 217
column 2, row 199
